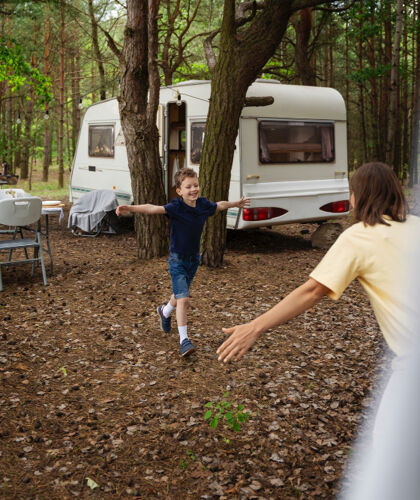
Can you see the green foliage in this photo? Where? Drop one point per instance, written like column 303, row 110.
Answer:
column 18, row 72
column 194, row 71
column 365, row 74
column 225, row 411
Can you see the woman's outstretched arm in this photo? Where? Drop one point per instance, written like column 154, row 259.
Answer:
column 242, row 337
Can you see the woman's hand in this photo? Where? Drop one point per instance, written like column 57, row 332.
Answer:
column 242, row 338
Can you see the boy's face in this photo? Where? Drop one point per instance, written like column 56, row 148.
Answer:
column 189, row 190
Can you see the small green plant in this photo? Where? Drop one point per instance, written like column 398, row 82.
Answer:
column 226, row 411
column 190, row 454
column 191, row 457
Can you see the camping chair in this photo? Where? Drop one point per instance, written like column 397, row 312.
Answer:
column 94, row 213
column 19, row 213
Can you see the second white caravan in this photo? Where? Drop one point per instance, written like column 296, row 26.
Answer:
column 290, row 156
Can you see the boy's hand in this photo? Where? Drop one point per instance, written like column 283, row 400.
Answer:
column 242, row 338
column 243, row 202
column 122, row 210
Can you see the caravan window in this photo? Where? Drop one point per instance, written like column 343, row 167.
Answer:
column 296, row 142
column 101, row 141
column 197, row 139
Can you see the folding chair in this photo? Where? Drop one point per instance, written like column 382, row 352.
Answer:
column 18, row 213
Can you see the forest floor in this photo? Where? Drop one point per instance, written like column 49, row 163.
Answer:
column 96, row 402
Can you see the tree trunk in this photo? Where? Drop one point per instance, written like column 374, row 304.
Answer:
column 404, row 100
column 242, row 55
column 97, row 51
column 47, row 123
column 361, row 100
column 24, row 166
column 61, row 92
column 75, row 111
column 139, row 76
column 9, row 150
column 18, row 151
column 374, row 105
column 415, row 129
column 390, row 148
column 302, row 24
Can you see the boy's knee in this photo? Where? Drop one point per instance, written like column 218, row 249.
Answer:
column 183, row 302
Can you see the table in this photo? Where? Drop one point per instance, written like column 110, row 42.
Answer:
column 46, row 212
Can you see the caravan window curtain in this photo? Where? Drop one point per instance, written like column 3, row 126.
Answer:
column 296, row 142
column 101, row 141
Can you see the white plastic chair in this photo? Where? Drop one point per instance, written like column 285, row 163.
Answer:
column 18, row 213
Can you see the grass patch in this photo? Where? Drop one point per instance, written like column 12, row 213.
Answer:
column 46, row 190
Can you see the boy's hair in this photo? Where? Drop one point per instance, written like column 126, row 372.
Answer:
column 182, row 174
column 377, row 192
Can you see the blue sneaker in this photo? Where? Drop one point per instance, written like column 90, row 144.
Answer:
column 165, row 323
column 186, row 347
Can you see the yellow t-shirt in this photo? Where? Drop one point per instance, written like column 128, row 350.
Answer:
column 385, row 259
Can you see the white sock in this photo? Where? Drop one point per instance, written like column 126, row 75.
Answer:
column 182, row 333
column 167, row 310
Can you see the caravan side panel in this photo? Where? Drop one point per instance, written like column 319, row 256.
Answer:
column 94, row 169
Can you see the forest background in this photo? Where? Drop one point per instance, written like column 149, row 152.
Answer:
column 59, row 57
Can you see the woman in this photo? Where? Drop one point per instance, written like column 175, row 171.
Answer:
column 376, row 250
column 382, row 250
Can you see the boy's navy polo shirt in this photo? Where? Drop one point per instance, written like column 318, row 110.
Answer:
column 186, row 224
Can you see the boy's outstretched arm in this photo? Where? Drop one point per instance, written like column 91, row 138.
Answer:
column 224, row 205
column 140, row 209
column 242, row 337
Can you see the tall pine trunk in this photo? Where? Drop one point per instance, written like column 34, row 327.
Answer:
column 391, row 142
column 61, row 93
column 75, row 111
column 415, row 128
column 27, row 139
column 140, row 77
column 97, row 51
column 242, row 55
column 47, row 123
column 302, row 24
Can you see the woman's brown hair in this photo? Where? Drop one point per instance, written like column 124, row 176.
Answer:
column 377, row 192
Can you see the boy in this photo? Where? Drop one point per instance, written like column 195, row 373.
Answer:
column 187, row 216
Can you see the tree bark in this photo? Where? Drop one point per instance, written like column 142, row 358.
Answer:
column 139, row 76
column 24, row 165
column 415, row 128
column 47, row 123
column 97, row 51
column 75, row 111
column 61, row 93
column 243, row 53
column 302, row 24
column 391, row 145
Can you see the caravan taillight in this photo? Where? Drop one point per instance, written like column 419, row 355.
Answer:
column 262, row 213
column 336, row 207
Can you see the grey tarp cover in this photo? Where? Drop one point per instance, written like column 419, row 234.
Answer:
column 89, row 210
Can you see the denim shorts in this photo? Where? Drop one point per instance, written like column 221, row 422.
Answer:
column 182, row 269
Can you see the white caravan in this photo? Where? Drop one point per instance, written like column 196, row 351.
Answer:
column 290, row 157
